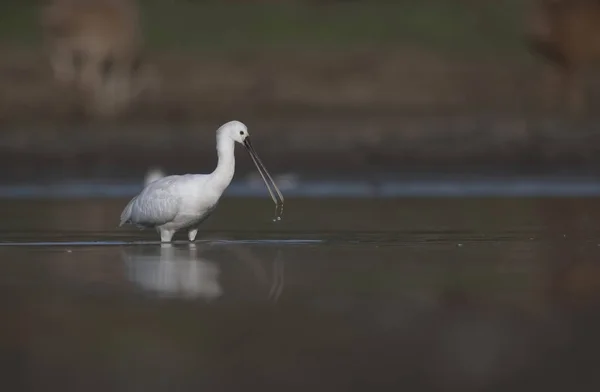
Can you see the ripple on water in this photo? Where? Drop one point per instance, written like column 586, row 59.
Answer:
column 349, row 238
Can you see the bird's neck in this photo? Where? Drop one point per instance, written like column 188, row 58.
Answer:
column 223, row 174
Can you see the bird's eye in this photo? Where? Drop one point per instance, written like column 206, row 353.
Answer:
column 242, row 133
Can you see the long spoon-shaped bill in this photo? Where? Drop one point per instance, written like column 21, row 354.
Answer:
column 264, row 173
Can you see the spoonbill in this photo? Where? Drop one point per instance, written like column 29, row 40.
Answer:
column 179, row 202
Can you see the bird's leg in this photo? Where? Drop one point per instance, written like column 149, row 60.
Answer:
column 192, row 234
column 166, row 235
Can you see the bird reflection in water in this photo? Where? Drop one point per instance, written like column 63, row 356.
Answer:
column 275, row 282
column 175, row 272
column 181, row 272
column 278, row 277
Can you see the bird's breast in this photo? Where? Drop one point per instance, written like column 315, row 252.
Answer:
column 200, row 205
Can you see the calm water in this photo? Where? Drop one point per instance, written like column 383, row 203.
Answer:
column 343, row 294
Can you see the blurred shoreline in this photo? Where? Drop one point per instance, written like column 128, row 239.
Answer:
column 314, row 145
column 308, row 110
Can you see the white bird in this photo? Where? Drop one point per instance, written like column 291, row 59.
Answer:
column 184, row 201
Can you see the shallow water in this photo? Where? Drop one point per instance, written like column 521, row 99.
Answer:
column 343, row 294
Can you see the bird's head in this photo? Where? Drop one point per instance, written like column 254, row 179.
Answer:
column 236, row 130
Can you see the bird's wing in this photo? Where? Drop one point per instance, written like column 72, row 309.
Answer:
column 126, row 214
column 156, row 205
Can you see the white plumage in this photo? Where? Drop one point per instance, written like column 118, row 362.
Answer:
column 180, row 202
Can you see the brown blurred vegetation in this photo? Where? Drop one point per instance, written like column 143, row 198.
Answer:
column 102, row 41
column 367, row 65
column 95, row 48
column 566, row 34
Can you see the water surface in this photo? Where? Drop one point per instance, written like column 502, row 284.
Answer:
column 343, row 294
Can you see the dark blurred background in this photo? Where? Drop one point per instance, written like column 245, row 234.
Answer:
column 375, row 99
column 323, row 85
